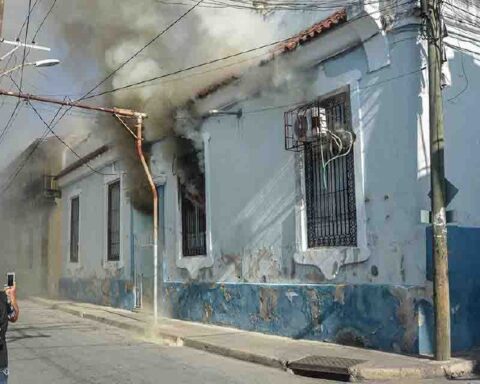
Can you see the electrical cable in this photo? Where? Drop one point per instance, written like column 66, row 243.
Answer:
column 142, row 82
column 29, row 155
column 25, row 20
column 165, row 30
column 462, row 9
column 48, row 126
column 10, row 121
column 109, row 76
column 273, row 6
column 25, row 47
column 136, row 54
column 43, row 21
column 450, row 100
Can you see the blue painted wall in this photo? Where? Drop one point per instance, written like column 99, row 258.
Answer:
column 109, row 292
column 464, row 267
column 373, row 316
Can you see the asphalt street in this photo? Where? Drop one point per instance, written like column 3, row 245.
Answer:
column 49, row 346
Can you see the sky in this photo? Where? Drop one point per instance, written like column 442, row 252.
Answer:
column 90, row 37
column 56, row 81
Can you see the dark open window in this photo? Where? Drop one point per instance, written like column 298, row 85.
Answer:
column 330, row 186
column 114, row 221
column 74, row 228
column 194, row 223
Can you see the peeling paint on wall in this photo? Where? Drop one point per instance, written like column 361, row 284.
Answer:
column 109, row 292
column 268, row 303
column 261, row 265
column 372, row 316
column 340, row 294
column 464, row 266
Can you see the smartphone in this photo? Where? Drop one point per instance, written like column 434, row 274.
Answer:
column 10, row 279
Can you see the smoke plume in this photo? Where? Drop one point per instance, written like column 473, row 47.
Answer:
column 107, row 33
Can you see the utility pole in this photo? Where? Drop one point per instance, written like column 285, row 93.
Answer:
column 434, row 31
column 138, row 136
column 2, row 8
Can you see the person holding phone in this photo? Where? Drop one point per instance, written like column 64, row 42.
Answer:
column 9, row 312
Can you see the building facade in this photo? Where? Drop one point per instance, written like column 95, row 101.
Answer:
column 30, row 229
column 292, row 203
column 285, row 240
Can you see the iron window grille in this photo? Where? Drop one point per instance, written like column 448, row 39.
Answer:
column 194, row 225
column 114, row 222
column 322, row 129
column 74, row 228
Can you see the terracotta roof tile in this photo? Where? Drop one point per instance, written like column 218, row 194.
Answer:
column 313, row 32
column 215, row 86
column 291, row 44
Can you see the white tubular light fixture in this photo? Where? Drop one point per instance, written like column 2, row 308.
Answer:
column 38, row 64
column 46, row 63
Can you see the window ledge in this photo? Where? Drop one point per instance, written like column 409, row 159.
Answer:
column 73, row 268
column 73, row 265
column 193, row 264
column 329, row 260
column 112, row 265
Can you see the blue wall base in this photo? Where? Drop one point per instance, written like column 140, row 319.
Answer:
column 109, row 292
column 384, row 317
column 464, row 267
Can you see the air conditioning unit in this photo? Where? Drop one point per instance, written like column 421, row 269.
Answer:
column 50, row 187
column 322, row 123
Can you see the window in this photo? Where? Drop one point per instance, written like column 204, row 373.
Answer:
column 114, row 222
column 74, row 228
column 330, row 186
column 194, row 222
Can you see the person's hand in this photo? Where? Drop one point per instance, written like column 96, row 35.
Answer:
column 12, row 293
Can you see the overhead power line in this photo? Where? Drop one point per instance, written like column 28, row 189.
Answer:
column 271, row 5
column 171, row 25
column 115, row 71
column 43, row 21
column 25, row 47
column 27, row 17
column 159, row 77
column 476, row 16
column 27, row 157
column 10, row 121
column 50, row 129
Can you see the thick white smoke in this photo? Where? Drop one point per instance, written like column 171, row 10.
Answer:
column 106, row 33
column 111, row 31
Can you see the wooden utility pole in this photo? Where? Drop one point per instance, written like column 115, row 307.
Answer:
column 2, row 7
column 434, row 31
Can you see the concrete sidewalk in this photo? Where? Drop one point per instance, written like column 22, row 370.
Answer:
column 268, row 350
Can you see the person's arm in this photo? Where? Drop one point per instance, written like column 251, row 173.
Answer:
column 12, row 295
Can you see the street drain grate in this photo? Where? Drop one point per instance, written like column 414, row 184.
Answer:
column 324, row 367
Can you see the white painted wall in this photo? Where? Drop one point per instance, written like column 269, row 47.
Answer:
column 462, row 136
column 92, row 189
column 252, row 184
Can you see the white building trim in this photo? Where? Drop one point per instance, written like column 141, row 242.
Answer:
column 362, row 29
column 329, row 259
column 108, row 179
column 193, row 264
column 73, row 266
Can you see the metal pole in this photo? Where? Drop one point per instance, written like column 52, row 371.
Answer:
column 437, row 178
column 139, row 146
column 113, row 111
column 139, row 143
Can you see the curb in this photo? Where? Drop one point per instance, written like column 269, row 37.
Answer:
column 450, row 370
column 169, row 338
column 235, row 354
